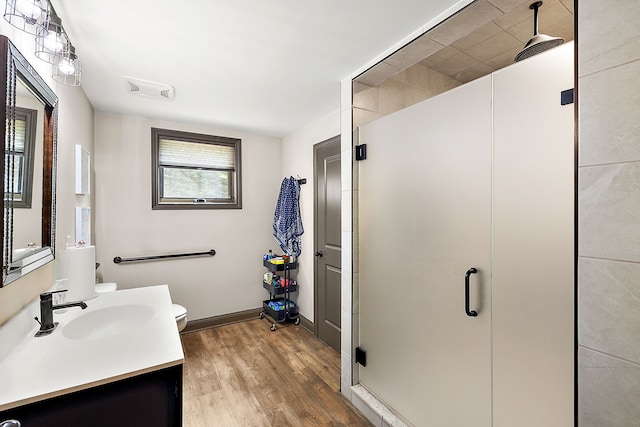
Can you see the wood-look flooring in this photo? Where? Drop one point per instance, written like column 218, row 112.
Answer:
column 245, row 375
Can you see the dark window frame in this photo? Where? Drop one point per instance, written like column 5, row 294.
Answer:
column 30, row 117
column 157, row 202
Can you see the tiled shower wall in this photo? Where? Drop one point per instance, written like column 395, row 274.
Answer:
column 406, row 88
column 609, row 213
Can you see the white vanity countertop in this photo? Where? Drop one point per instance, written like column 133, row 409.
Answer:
column 49, row 366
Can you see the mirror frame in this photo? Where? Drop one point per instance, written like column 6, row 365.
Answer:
column 14, row 67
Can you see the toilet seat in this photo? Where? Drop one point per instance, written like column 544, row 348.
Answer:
column 179, row 311
column 181, row 316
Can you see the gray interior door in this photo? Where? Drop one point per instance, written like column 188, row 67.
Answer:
column 328, row 192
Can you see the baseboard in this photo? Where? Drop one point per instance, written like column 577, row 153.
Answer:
column 224, row 319
column 308, row 325
column 240, row 316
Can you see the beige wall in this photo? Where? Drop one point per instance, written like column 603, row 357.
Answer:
column 126, row 226
column 75, row 126
column 75, row 116
column 297, row 157
column 609, row 213
column 227, row 283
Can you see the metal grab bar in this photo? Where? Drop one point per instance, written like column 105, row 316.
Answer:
column 118, row 260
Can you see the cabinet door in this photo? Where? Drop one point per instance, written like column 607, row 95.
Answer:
column 151, row 399
column 533, row 281
column 424, row 220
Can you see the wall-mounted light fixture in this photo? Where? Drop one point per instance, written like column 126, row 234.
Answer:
column 50, row 38
column 26, row 15
column 38, row 17
column 66, row 68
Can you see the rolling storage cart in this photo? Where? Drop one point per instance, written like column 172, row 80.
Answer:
column 279, row 308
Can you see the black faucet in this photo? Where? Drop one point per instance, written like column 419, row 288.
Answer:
column 47, row 325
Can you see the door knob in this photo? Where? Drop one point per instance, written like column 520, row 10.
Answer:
column 319, row 254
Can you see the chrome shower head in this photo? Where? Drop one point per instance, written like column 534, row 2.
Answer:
column 539, row 42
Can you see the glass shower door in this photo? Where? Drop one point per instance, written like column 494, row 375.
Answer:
column 424, row 221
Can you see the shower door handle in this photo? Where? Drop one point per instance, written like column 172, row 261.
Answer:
column 470, row 313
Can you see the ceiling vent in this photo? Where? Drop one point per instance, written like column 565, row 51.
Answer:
column 149, row 89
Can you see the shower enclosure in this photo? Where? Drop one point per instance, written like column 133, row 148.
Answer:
column 466, row 252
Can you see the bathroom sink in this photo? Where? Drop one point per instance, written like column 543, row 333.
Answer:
column 108, row 322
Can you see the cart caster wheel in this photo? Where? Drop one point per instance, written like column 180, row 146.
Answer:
column 297, row 321
column 273, row 328
column 261, row 315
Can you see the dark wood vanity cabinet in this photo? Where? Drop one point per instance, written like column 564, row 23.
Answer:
column 151, row 399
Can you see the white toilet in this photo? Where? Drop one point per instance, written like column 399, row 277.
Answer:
column 181, row 316
column 179, row 311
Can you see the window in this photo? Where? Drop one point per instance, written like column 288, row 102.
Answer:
column 19, row 160
column 194, row 171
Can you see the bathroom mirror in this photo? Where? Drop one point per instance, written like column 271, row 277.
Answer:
column 28, row 205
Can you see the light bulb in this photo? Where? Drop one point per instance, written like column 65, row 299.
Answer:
column 29, row 9
column 52, row 42
column 66, row 66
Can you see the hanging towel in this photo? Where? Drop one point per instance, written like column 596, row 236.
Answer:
column 287, row 223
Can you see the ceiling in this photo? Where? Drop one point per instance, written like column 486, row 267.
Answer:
column 268, row 67
column 264, row 67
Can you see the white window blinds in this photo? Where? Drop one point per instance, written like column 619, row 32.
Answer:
column 20, row 134
column 196, row 155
